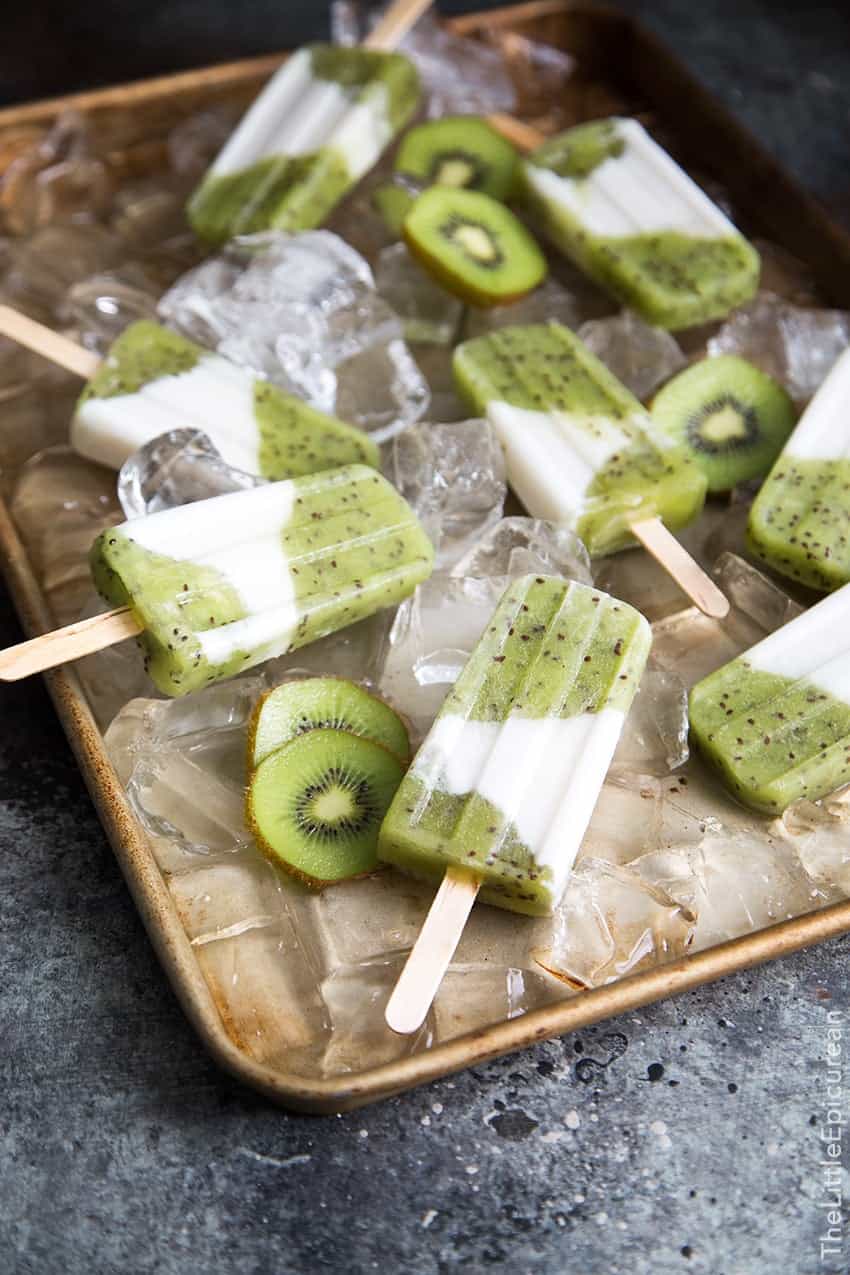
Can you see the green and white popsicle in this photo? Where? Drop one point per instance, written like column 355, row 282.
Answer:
column 153, row 380
column 223, row 584
column 318, row 126
column 615, row 202
column 506, row 781
column 580, row 448
column 775, row 723
column 799, row 523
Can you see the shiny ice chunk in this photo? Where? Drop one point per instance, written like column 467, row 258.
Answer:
column 428, row 313
column 454, row 477
column 520, row 546
column 655, row 736
column 177, row 468
column 612, row 923
column 797, row 346
column 356, row 998
column 641, row 356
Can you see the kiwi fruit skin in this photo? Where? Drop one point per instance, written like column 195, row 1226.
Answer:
column 431, row 229
column 732, row 418
column 286, row 791
column 459, row 151
column 313, row 703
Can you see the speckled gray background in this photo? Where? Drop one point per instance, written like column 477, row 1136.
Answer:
column 686, row 1138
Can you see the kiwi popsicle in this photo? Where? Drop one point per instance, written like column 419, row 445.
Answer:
column 799, row 523
column 223, row 584
column 318, row 126
column 580, row 449
column 153, row 380
column 506, row 781
column 775, row 722
column 615, row 202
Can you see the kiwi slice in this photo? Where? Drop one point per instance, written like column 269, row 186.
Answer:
column 732, row 417
column 458, row 150
column 323, row 702
column 473, row 245
column 316, row 804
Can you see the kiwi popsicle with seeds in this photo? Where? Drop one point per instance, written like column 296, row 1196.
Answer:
column 153, row 380
column 581, row 450
column 799, row 523
column 506, row 781
column 499, row 796
column 614, row 201
column 775, row 722
column 317, row 127
column 223, row 584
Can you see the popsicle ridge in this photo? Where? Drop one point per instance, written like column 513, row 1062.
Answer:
column 506, row 781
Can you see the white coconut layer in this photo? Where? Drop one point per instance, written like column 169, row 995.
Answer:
column 814, row 647
column 641, row 191
column 215, row 396
column 543, row 774
column 297, row 114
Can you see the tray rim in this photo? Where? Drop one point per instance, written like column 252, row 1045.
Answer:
column 145, row 881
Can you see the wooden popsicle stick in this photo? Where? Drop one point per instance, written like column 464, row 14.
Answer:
column 524, row 136
column 58, row 349
column 430, row 955
column 395, row 24
column 678, row 563
column 75, row 640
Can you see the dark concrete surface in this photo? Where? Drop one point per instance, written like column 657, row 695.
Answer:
column 685, row 1138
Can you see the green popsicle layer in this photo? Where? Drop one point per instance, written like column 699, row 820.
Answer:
column 799, row 523
column 772, row 739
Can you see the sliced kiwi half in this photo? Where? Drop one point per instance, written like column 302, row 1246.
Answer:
column 319, row 703
column 474, row 246
column 733, row 418
column 458, row 150
column 316, row 804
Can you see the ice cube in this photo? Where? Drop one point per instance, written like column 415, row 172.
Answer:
column 177, row 468
column 267, row 994
column 356, row 921
column 518, row 546
column 819, row 833
column 302, row 310
column 224, row 899
column 103, row 306
column 44, row 267
column 612, row 922
column 430, row 641
column 446, row 405
column 197, row 140
column 641, row 356
column 472, row 997
column 356, row 998
column 541, row 74
column 454, row 478
column 655, row 736
column 733, row 882
column 60, row 503
column 797, row 346
column 551, row 302
column 428, row 313
column 460, row 76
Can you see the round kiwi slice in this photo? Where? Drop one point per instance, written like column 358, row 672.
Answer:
column 316, row 804
column 318, row 702
column 473, row 245
column 458, row 150
column 732, row 417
